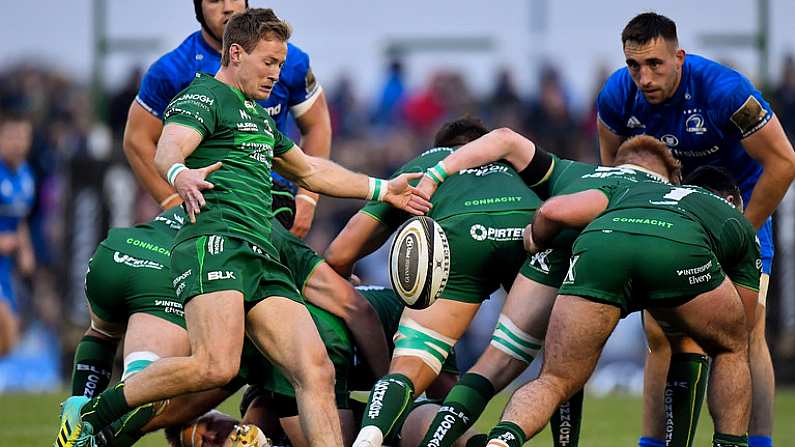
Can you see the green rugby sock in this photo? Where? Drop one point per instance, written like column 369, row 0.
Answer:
column 390, row 398
column 93, row 365
column 724, row 440
column 506, row 434
column 478, row 440
column 566, row 422
column 105, row 408
column 685, row 388
column 462, row 407
column 126, row 431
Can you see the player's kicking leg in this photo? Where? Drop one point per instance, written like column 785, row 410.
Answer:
column 148, row 338
column 423, row 342
column 215, row 328
column 516, row 341
column 283, row 329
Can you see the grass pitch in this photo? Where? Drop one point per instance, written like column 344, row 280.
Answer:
column 32, row 420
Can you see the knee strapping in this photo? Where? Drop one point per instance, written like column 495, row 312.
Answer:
column 415, row 340
column 137, row 361
column 513, row 341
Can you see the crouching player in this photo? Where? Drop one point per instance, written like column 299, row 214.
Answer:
column 683, row 253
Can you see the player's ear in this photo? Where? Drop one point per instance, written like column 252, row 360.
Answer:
column 235, row 52
column 680, row 56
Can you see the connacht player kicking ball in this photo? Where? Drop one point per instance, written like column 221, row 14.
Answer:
column 226, row 270
column 672, row 250
column 297, row 92
column 529, row 302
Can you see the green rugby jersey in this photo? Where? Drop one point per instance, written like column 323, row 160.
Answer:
column 686, row 214
column 241, row 134
column 492, row 188
column 569, row 176
column 149, row 241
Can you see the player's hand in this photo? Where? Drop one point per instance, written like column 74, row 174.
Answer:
column 529, row 245
column 427, row 186
column 189, row 185
column 354, row 280
column 402, row 195
column 304, row 215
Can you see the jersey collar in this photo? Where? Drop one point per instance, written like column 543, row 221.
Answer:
column 205, row 46
column 647, row 171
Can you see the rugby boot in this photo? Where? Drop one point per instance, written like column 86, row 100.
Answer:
column 74, row 432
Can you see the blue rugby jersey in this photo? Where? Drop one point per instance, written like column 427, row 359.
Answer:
column 712, row 111
column 17, row 193
column 296, row 90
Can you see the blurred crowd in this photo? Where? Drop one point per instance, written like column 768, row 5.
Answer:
column 83, row 184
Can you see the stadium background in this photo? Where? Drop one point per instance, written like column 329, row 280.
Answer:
column 392, row 71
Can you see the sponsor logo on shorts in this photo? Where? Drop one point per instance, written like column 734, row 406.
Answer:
column 696, row 275
column 256, row 249
column 171, row 307
column 175, row 224
column 220, row 274
column 181, row 281
column 447, row 423
column 129, row 261
column 540, row 262
column 493, row 200
column 481, row 233
column 215, row 244
column 570, row 274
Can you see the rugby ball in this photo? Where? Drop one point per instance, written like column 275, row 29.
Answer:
column 419, row 262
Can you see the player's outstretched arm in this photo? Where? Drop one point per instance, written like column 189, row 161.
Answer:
column 315, row 127
column 326, row 177
column 771, row 148
column 567, row 211
column 499, row 144
column 176, row 143
column 140, row 144
column 361, row 236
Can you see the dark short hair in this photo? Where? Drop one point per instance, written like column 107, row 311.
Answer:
column 14, row 116
column 459, row 132
column 645, row 27
column 715, row 179
column 247, row 28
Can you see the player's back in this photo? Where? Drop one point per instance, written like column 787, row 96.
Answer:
column 151, row 240
column 686, row 214
column 492, row 188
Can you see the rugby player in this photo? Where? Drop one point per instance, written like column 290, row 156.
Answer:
column 296, row 91
column 225, row 268
column 483, row 212
column 708, row 114
column 16, row 200
column 529, row 302
column 129, row 293
column 668, row 249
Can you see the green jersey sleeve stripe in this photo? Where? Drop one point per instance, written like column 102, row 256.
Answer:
column 186, row 123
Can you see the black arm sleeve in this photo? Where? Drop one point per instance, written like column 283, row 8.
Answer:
column 538, row 168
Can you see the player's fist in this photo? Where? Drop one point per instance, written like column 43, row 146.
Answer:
column 402, row 195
